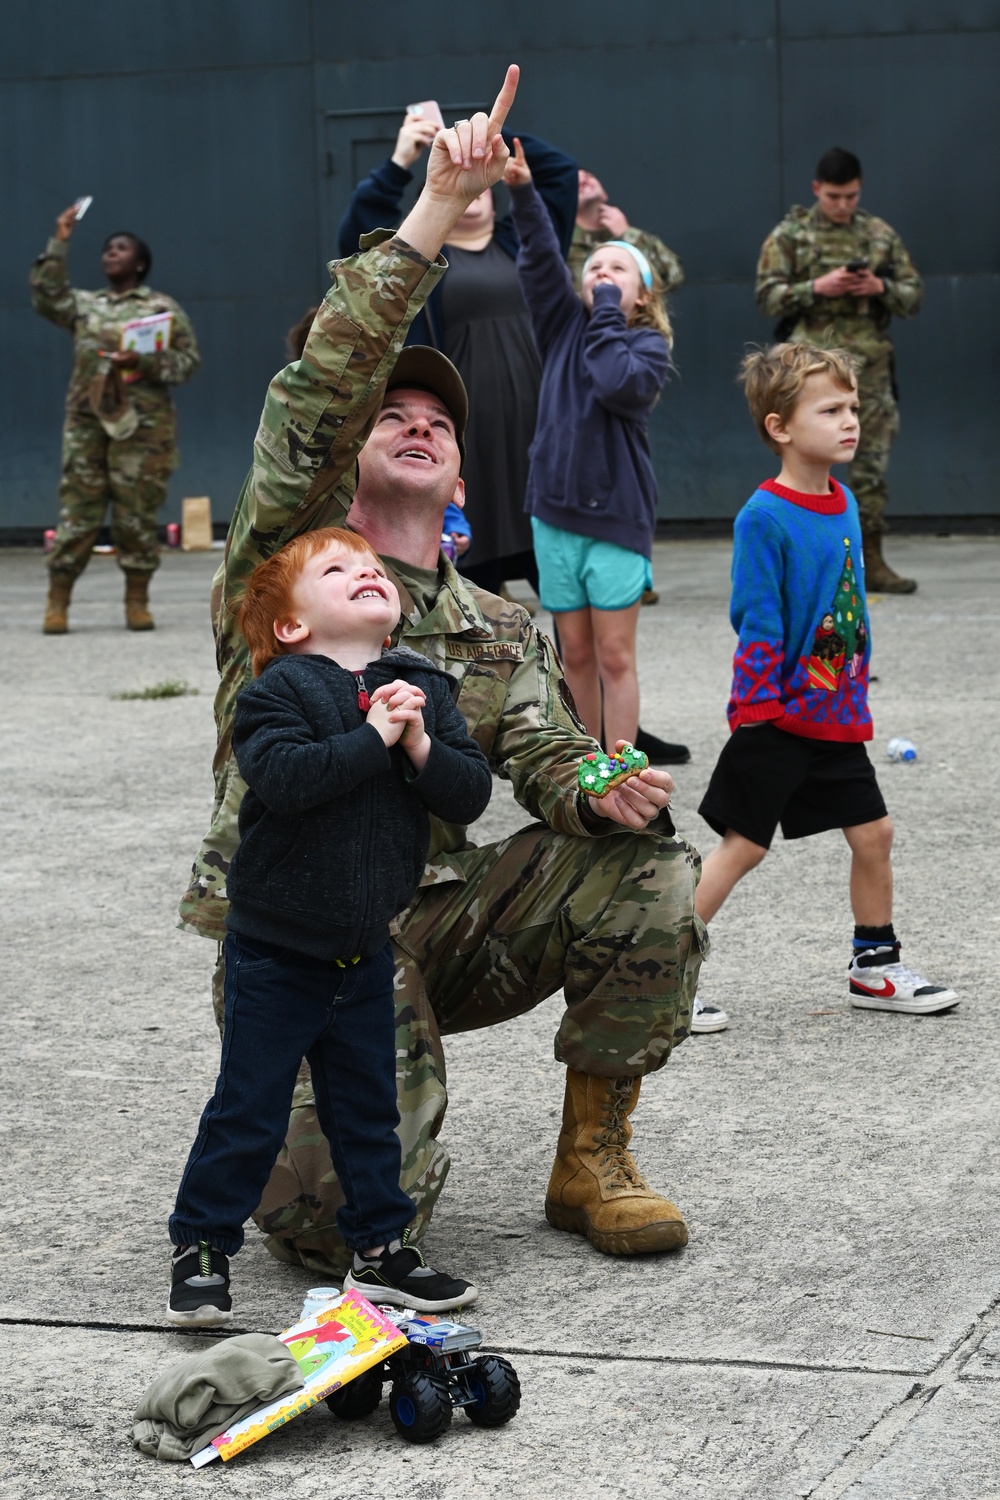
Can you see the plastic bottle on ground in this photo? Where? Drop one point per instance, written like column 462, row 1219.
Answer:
column 317, row 1298
column 900, row 749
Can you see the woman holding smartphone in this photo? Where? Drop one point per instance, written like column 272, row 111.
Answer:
column 119, row 437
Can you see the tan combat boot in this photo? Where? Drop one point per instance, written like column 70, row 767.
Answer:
column 879, row 577
column 56, row 605
column 596, row 1188
column 137, row 616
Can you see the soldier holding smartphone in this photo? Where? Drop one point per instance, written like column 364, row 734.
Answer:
column 836, row 275
column 119, row 437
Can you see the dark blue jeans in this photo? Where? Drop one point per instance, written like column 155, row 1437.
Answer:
column 282, row 1007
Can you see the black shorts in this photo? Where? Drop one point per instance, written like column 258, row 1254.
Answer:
column 766, row 776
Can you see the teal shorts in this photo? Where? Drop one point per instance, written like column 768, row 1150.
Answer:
column 577, row 572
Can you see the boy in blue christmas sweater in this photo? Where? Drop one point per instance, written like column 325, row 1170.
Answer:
column 798, row 710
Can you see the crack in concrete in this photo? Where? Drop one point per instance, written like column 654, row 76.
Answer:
column 879, row 1438
column 708, row 1361
column 230, row 1330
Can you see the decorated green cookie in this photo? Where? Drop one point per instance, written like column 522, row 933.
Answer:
column 600, row 773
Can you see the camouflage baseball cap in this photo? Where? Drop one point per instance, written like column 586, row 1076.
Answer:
column 427, row 369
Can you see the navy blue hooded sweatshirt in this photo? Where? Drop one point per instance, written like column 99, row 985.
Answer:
column 334, row 825
column 591, row 471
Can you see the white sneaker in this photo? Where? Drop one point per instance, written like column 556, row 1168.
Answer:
column 892, row 986
column 708, row 1017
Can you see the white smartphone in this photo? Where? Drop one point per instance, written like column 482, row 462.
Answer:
column 82, row 204
column 427, row 109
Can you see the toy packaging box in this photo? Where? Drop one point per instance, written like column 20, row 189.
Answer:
column 331, row 1347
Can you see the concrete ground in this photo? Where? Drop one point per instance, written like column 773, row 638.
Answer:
column 832, row 1328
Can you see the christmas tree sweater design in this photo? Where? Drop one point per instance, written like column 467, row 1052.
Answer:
column 798, row 608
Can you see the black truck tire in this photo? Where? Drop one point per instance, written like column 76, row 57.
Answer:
column 420, row 1407
column 493, row 1382
column 358, row 1398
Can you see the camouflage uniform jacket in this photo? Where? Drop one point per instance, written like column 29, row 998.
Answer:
column 95, row 320
column 805, row 245
column 663, row 260
column 317, row 416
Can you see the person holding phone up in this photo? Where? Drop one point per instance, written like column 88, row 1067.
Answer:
column 119, row 437
column 478, row 318
column 836, row 275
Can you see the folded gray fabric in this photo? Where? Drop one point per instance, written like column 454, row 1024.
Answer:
column 199, row 1397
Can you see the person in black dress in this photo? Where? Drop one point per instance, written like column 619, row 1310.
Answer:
column 477, row 317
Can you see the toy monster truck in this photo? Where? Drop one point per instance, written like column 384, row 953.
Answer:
column 430, row 1377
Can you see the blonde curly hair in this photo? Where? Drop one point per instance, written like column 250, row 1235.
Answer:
column 772, row 378
column 652, row 312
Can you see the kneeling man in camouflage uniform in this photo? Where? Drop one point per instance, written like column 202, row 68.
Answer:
column 596, row 899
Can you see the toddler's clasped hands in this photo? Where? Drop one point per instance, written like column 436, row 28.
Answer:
column 396, row 714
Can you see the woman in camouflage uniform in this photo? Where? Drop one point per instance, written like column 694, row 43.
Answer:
column 119, row 438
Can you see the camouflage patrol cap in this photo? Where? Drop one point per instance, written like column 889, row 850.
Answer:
column 427, row 369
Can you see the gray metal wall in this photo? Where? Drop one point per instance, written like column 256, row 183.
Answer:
column 228, row 134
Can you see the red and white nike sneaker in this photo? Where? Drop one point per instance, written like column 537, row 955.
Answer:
column 892, row 986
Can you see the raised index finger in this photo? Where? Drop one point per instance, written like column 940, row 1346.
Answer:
column 504, row 100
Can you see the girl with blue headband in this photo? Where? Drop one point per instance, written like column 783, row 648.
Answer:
column 592, row 493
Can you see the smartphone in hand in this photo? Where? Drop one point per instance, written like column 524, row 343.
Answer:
column 859, row 263
column 81, row 205
column 427, row 109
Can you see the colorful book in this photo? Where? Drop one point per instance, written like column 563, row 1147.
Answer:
column 331, row 1347
column 148, row 335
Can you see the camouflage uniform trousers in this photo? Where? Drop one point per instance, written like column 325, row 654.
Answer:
column 131, row 476
column 867, row 475
column 610, row 921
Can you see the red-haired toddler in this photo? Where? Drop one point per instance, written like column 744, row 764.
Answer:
column 345, row 747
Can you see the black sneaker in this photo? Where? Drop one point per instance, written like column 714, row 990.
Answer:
column 660, row 752
column 199, row 1290
column 402, row 1277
